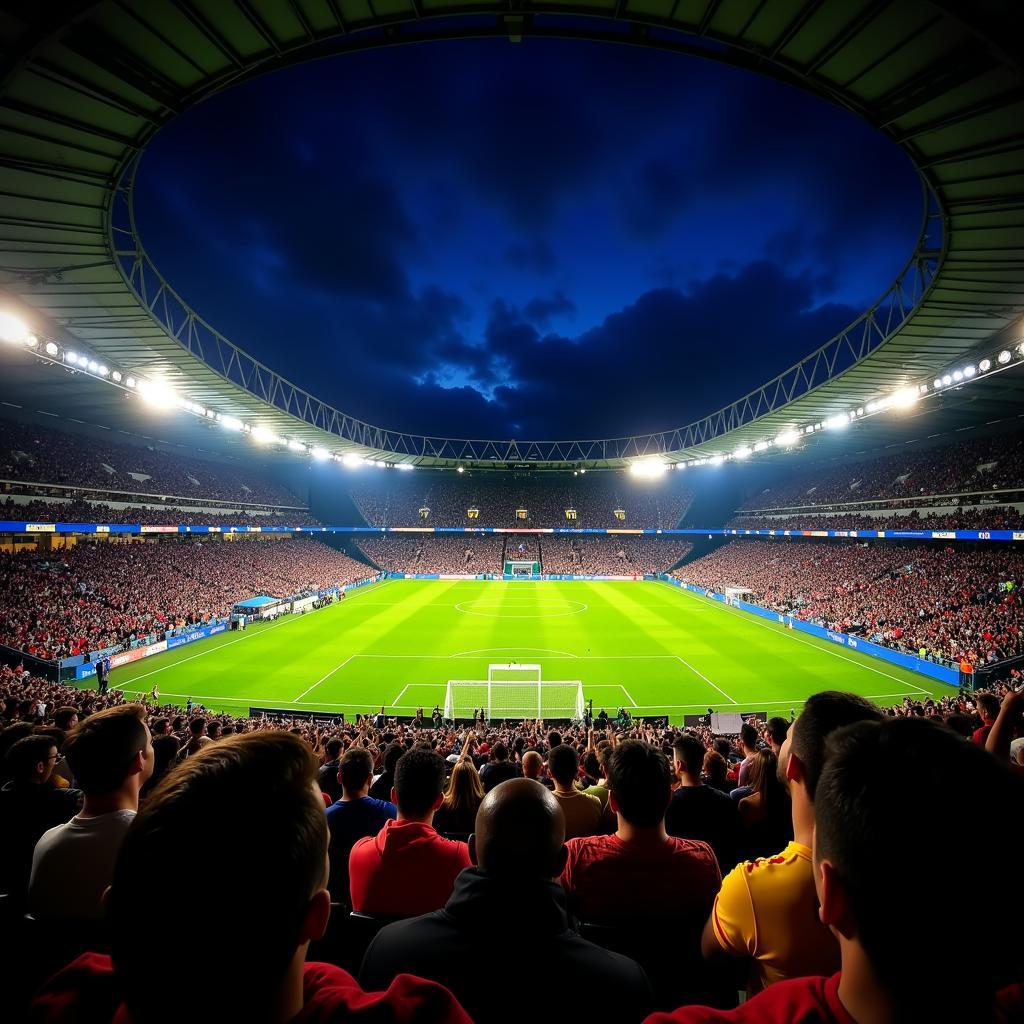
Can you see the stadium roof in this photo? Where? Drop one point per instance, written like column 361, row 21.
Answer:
column 85, row 85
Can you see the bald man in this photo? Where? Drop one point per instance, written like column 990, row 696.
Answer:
column 506, row 925
column 533, row 768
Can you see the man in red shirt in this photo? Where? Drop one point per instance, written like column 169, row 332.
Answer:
column 640, row 870
column 244, row 819
column 987, row 705
column 407, row 868
column 881, row 854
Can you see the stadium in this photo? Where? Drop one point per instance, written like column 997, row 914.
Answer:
column 632, row 712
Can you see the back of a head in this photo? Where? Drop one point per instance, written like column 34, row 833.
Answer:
column 563, row 764
column 520, row 832
column 640, row 779
column 333, row 748
column 355, row 769
column 419, row 780
column 391, row 755
column 101, row 749
column 987, row 705
column 499, row 752
column 243, row 819
column 716, row 767
column 748, row 736
column 533, row 764
column 690, row 753
column 893, row 848
column 822, row 714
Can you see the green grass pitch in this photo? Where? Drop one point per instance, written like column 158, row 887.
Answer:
column 648, row 646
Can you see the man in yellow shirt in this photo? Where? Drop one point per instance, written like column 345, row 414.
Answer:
column 767, row 909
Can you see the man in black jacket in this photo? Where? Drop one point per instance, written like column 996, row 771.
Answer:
column 498, row 769
column 508, row 914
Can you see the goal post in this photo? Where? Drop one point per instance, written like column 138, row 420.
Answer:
column 515, row 692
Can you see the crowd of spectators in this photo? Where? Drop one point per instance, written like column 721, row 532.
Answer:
column 41, row 455
column 950, row 603
column 166, row 514
column 983, row 517
column 96, row 596
column 397, row 499
column 966, row 466
column 464, row 554
column 772, row 849
column 612, row 556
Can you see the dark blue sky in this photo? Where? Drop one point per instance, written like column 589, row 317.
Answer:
column 550, row 239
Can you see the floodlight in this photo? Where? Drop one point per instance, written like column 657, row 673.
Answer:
column 320, row 454
column 716, row 460
column 923, row 389
column 131, row 382
column 958, row 375
column 947, row 380
column 787, row 439
column 985, row 365
column 937, row 383
column 648, row 469
column 969, row 372
column 229, row 422
column 116, row 376
column 1004, row 357
column 93, row 366
column 265, row 436
column 762, row 445
column 71, row 357
column 1020, row 349
column 351, row 460
column 460, row 469
column 51, row 348
column 582, row 469
column 31, row 340
column 904, row 398
column 409, row 465
column 741, row 453
column 156, row 393
column 12, row 328
column 837, row 422
column 103, row 371
column 296, row 446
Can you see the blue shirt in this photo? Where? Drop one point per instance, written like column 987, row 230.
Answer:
column 349, row 820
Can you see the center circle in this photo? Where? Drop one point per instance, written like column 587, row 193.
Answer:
column 494, row 609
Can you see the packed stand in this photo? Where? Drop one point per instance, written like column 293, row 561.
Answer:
column 397, row 499
column 612, row 556
column 96, row 596
column 994, row 517
column 952, row 604
column 79, row 511
column 463, row 555
column 982, row 464
column 41, row 455
column 682, row 855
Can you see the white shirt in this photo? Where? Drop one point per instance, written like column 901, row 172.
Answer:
column 73, row 864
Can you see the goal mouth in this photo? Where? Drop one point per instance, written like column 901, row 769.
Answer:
column 514, row 692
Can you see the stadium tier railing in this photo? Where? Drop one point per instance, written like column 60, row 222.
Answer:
column 23, row 526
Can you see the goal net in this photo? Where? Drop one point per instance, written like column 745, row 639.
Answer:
column 514, row 691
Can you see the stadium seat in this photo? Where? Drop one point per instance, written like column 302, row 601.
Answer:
column 672, row 959
column 348, row 935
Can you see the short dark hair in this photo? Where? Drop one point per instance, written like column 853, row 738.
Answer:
column 748, row 736
column 822, row 714
column 355, row 768
column 333, row 747
column 987, row 703
column 640, row 779
column 419, row 780
column 690, row 752
column 499, row 752
column 62, row 717
column 159, row 726
column 963, row 816
column 240, row 817
column 25, row 754
column 777, row 729
column 563, row 763
column 197, row 726
column 392, row 753
column 101, row 749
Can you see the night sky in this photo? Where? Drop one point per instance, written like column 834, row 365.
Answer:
column 549, row 239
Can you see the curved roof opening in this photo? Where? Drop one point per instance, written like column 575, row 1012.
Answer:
column 558, row 238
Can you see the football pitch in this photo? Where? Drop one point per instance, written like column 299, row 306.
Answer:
column 647, row 646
